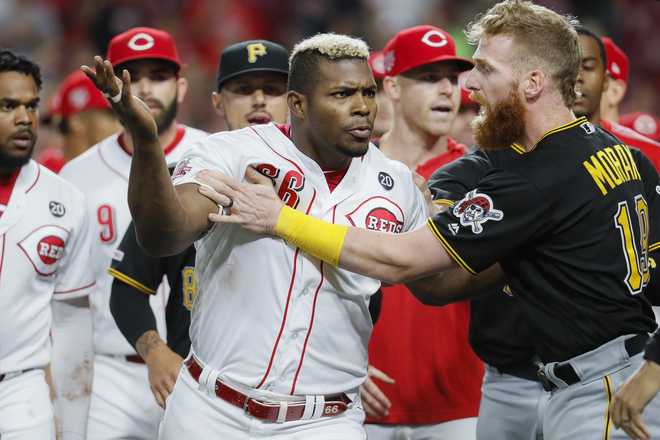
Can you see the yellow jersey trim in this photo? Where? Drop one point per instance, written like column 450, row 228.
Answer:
column 608, row 394
column 130, row 281
column 450, row 250
column 654, row 247
column 522, row 150
column 450, row 203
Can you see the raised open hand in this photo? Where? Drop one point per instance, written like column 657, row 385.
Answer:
column 132, row 112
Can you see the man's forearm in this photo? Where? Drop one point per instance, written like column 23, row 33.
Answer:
column 152, row 199
column 455, row 285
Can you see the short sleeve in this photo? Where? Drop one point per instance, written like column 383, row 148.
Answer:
column 132, row 266
column 216, row 152
column 491, row 221
column 452, row 181
column 75, row 278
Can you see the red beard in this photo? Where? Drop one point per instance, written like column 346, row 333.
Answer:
column 501, row 125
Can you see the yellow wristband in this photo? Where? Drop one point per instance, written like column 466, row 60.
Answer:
column 318, row 238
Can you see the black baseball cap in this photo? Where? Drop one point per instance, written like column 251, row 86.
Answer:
column 252, row 56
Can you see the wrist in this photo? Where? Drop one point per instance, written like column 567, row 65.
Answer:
column 318, row 238
column 155, row 352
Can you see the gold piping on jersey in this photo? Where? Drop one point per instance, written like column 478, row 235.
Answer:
column 130, row 281
column 612, row 166
column 450, row 250
column 608, row 394
column 522, row 150
column 446, row 202
column 654, row 247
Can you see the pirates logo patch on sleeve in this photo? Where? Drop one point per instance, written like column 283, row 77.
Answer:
column 476, row 209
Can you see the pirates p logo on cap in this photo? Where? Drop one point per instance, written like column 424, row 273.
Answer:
column 255, row 50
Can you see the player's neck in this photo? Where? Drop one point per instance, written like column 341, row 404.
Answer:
column 410, row 146
column 165, row 138
column 540, row 121
column 326, row 158
column 594, row 117
column 8, row 173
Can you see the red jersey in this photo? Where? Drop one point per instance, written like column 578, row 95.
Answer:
column 425, row 349
column 649, row 147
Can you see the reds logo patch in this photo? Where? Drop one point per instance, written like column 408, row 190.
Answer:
column 182, row 168
column 378, row 214
column 44, row 247
column 476, row 209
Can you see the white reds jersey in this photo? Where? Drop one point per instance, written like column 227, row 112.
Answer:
column 267, row 316
column 45, row 241
column 101, row 173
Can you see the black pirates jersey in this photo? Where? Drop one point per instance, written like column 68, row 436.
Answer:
column 134, row 267
column 569, row 222
column 498, row 330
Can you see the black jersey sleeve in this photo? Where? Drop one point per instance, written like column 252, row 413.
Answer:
column 134, row 267
column 131, row 311
column 491, row 220
column 652, row 352
column 452, row 181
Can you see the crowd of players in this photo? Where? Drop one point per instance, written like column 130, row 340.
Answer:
column 119, row 335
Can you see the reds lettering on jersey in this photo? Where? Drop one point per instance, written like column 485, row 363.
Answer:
column 303, row 326
column 45, row 242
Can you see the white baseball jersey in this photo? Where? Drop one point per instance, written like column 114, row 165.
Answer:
column 101, row 173
column 45, row 241
column 267, row 316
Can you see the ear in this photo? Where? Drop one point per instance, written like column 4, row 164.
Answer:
column 391, row 87
column 618, row 90
column 533, row 84
column 218, row 104
column 182, row 88
column 297, row 103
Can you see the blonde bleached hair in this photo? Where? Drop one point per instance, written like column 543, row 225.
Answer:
column 333, row 46
column 546, row 40
column 306, row 56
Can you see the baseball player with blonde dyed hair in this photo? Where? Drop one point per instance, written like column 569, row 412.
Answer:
column 279, row 339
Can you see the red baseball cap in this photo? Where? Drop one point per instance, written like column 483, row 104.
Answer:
column 420, row 45
column 142, row 43
column 617, row 61
column 377, row 64
column 77, row 93
column 643, row 123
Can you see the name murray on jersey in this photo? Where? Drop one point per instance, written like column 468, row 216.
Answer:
column 612, row 166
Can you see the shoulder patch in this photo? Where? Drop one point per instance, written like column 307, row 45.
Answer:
column 56, row 208
column 476, row 209
column 385, row 180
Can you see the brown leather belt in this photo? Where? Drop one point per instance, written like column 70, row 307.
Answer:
column 134, row 358
column 334, row 404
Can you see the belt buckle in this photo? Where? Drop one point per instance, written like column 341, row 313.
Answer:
column 543, row 378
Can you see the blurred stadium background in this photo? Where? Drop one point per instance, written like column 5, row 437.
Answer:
column 63, row 34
